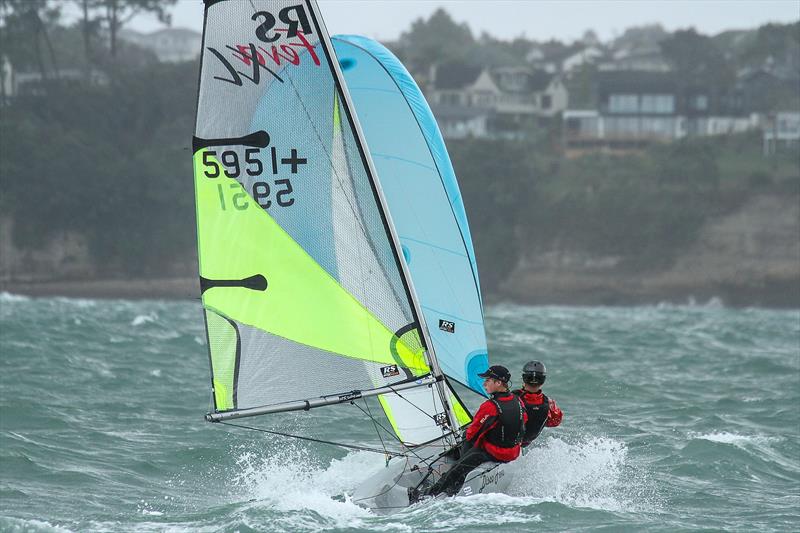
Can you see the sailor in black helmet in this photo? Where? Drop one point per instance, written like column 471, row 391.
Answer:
column 494, row 435
column 542, row 411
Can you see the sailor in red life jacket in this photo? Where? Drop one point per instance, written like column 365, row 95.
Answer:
column 542, row 411
column 494, row 435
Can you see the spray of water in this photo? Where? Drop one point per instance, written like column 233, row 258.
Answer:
column 589, row 472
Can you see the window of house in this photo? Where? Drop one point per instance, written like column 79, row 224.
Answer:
column 622, row 126
column 699, row 102
column 449, row 98
column 482, row 99
column 574, row 124
column 658, row 103
column 623, row 103
column 547, row 101
column 658, row 126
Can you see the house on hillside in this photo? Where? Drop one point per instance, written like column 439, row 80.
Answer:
column 170, row 45
column 491, row 103
column 782, row 131
column 565, row 59
column 642, row 58
column 583, row 56
column 634, row 109
column 761, row 89
column 32, row 83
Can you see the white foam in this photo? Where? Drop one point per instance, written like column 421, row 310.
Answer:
column 13, row 525
column 7, row 297
column 291, row 479
column 452, row 514
column 591, row 473
column 726, row 437
column 82, row 303
column 144, row 319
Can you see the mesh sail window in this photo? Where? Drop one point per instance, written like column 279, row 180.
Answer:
column 301, row 280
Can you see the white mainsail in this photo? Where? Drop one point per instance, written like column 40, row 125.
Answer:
column 306, row 296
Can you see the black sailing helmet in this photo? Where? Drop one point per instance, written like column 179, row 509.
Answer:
column 534, row 373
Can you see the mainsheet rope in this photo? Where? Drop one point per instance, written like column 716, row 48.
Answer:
column 300, row 437
column 384, row 451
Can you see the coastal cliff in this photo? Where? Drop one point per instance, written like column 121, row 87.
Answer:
column 749, row 257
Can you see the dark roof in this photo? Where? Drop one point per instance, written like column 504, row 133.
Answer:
column 539, row 80
column 455, row 75
column 558, row 55
column 635, row 81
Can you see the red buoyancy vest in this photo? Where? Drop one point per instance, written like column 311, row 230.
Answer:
column 541, row 412
column 499, row 426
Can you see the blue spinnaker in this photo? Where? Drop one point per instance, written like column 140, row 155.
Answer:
column 425, row 203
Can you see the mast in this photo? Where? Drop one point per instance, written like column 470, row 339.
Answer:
column 440, row 383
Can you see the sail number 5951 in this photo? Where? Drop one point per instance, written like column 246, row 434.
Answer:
column 279, row 192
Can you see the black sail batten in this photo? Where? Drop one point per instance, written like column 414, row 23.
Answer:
column 256, row 282
column 257, row 139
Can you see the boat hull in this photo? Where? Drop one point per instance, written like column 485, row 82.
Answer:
column 388, row 490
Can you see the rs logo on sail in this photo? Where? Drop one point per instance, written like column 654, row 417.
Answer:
column 291, row 45
column 294, row 16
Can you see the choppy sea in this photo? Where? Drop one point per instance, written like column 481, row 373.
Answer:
column 677, row 418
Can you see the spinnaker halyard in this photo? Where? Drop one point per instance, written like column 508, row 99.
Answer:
column 307, row 301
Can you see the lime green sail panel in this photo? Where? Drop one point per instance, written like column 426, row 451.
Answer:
column 223, row 359
column 462, row 415
column 237, row 239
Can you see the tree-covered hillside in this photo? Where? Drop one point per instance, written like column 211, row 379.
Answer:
column 109, row 157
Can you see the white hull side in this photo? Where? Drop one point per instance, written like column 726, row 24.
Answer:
column 387, row 490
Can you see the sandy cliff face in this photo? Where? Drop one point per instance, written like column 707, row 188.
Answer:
column 749, row 257
column 64, row 256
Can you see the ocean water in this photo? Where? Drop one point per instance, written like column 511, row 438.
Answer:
column 677, row 418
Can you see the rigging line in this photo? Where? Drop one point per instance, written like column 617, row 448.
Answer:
column 391, row 433
column 451, row 439
column 417, row 407
column 375, row 423
column 378, row 424
column 340, row 444
column 386, row 490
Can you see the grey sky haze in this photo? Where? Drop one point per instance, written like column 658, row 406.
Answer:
column 565, row 20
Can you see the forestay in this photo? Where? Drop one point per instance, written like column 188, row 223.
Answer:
column 305, row 296
column 423, row 196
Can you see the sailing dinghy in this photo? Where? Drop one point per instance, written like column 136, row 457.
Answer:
column 320, row 284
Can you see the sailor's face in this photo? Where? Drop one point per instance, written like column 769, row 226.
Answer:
column 491, row 385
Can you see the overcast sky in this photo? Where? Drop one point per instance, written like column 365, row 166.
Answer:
column 565, row 20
